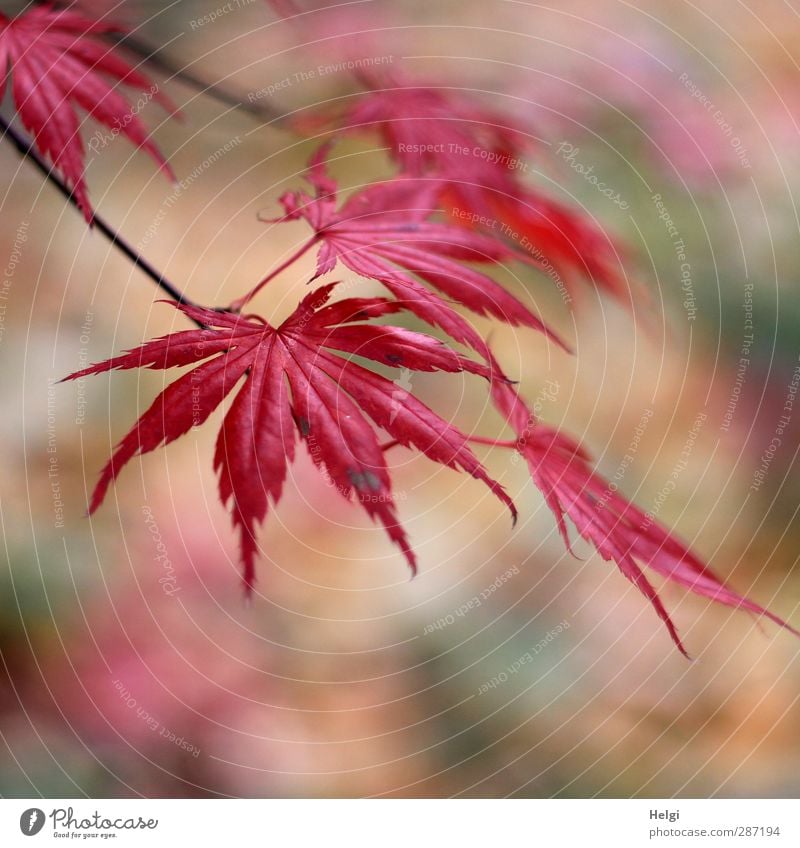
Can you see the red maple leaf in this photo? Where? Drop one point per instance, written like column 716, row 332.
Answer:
column 294, row 384
column 429, row 128
column 478, row 155
column 616, row 528
column 382, row 233
column 58, row 62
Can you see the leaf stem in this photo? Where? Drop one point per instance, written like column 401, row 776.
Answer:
column 241, row 302
column 211, row 89
column 29, row 152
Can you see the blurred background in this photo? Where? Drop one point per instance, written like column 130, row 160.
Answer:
column 131, row 664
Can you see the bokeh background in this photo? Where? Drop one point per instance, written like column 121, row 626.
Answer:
column 131, row 665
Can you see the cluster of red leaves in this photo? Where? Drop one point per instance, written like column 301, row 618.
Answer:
column 616, row 528
column 57, row 63
column 298, row 381
column 295, row 385
column 478, row 158
column 383, row 233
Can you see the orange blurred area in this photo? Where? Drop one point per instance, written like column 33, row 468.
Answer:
column 133, row 666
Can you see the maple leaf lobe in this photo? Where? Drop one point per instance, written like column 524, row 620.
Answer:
column 297, row 380
column 58, row 62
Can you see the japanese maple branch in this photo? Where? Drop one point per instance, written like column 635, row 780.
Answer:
column 211, row 89
column 29, row 152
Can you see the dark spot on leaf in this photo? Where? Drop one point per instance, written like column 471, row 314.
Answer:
column 304, row 426
column 373, row 481
column 356, row 478
column 394, row 358
column 364, row 480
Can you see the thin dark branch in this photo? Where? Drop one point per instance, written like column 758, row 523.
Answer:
column 155, row 60
column 29, row 152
